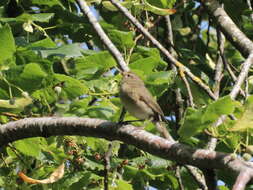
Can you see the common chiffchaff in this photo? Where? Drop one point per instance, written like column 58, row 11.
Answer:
column 139, row 102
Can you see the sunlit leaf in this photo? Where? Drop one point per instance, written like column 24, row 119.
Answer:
column 246, row 120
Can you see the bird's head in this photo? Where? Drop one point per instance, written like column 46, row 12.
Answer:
column 130, row 77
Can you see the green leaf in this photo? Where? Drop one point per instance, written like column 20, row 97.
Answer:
column 69, row 50
column 122, row 185
column 108, row 5
column 17, row 104
column 94, row 65
column 29, row 147
column 246, row 120
column 45, row 95
column 49, row 3
column 39, row 45
column 104, row 110
column 222, row 106
column 83, row 182
column 33, row 71
column 72, row 86
column 195, row 121
column 146, row 64
column 148, row 52
column 162, row 77
column 122, row 39
column 33, row 75
column 7, row 47
column 162, row 3
column 40, row 17
column 157, row 10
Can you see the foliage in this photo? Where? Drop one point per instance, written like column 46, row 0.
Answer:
column 53, row 63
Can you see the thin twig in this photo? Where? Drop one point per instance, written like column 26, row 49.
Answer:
column 221, row 44
column 17, row 154
column 179, row 178
column 219, row 65
column 107, row 166
column 242, row 76
column 188, row 88
column 194, row 171
column 2, row 158
column 170, row 37
column 250, row 8
column 208, row 33
column 196, row 174
column 139, row 37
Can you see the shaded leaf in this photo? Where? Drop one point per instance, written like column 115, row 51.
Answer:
column 29, row 147
column 195, row 121
column 7, row 46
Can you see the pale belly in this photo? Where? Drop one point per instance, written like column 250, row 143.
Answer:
column 139, row 110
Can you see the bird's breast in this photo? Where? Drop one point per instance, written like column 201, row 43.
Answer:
column 131, row 101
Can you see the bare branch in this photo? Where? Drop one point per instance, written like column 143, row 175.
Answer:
column 228, row 27
column 243, row 178
column 179, row 179
column 108, row 43
column 107, row 166
column 219, row 65
column 197, row 175
column 241, row 78
column 250, row 8
column 182, row 154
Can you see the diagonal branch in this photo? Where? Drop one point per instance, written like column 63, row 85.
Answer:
column 108, row 43
column 242, row 76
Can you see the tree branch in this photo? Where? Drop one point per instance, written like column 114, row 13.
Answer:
column 242, row 180
column 228, row 27
column 242, row 76
column 182, row 154
column 108, row 43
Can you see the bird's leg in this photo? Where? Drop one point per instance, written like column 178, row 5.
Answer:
column 121, row 118
column 122, row 115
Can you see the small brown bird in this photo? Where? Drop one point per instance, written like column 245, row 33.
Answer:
column 140, row 103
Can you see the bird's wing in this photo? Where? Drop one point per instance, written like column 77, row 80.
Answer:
column 151, row 102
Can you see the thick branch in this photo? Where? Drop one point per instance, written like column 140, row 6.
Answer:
column 242, row 180
column 228, row 27
column 182, row 154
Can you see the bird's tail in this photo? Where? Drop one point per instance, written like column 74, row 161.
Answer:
column 163, row 131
